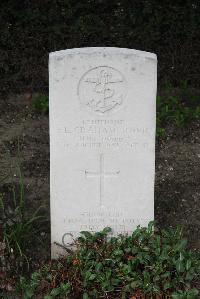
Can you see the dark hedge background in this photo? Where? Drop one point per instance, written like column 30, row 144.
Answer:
column 31, row 29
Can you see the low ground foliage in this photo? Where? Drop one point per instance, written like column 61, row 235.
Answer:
column 147, row 264
column 41, row 103
column 177, row 107
column 18, row 233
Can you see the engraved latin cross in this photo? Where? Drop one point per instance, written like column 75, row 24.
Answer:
column 102, row 174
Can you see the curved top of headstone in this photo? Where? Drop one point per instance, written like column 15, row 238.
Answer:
column 111, row 50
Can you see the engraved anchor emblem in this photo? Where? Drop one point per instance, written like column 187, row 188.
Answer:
column 106, row 92
column 101, row 85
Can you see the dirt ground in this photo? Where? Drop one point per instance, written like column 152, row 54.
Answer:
column 177, row 188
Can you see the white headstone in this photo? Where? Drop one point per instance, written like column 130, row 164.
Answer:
column 102, row 140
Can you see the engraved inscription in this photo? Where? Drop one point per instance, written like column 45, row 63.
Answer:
column 109, row 133
column 102, row 89
column 102, row 175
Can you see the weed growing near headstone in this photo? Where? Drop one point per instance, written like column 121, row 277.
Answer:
column 146, row 264
column 177, row 107
column 41, row 103
column 17, row 232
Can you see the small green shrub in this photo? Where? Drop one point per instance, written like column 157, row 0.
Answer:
column 190, row 294
column 147, row 264
column 179, row 109
column 41, row 103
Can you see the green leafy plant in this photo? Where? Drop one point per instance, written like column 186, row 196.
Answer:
column 41, row 103
column 29, row 289
column 178, row 109
column 146, row 264
column 17, row 227
column 61, row 291
column 190, row 294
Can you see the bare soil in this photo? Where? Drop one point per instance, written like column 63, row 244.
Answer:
column 177, row 188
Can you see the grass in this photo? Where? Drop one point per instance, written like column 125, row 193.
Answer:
column 18, row 232
column 17, row 229
column 147, row 264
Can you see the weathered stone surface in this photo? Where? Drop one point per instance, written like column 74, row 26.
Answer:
column 102, row 138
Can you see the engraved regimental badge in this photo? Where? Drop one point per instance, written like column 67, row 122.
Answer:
column 102, row 89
